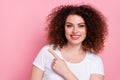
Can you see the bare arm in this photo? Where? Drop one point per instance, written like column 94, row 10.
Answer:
column 96, row 77
column 36, row 74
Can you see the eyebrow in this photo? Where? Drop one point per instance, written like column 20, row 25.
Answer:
column 78, row 23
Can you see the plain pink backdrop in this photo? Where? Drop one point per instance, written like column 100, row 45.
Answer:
column 22, row 34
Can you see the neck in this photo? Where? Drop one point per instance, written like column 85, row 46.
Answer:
column 74, row 48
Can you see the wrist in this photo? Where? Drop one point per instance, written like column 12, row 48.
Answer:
column 69, row 76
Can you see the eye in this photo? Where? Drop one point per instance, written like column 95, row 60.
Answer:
column 68, row 25
column 81, row 25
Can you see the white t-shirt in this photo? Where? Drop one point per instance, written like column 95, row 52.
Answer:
column 91, row 64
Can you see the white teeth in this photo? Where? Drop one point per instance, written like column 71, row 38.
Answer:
column 75, row 37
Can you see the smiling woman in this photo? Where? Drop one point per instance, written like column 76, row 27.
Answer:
column 75, row 35
column 75, row 29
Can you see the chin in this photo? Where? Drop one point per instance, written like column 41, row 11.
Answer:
column 75, row 43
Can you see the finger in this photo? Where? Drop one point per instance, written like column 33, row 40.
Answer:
column 53, row 53
column 54, row 61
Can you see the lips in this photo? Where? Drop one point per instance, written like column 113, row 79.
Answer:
column 75, row 37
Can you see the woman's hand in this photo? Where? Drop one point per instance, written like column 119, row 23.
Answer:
column 58, row 64
column 60, row 67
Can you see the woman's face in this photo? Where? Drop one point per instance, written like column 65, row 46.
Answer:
column 75, row 29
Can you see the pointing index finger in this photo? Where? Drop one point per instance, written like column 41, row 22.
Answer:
column 53, row 53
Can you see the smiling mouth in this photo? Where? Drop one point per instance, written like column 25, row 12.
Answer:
column 75, row 37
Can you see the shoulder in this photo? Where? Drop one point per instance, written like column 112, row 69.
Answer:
column 46, row 47
column 93, row 57
column 95, row 63
column 44, row 51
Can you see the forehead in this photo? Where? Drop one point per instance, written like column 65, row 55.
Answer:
column 74, row 19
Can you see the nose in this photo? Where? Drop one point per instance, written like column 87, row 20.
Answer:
column 75, row 30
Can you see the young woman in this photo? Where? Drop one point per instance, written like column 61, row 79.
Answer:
column 76, row 35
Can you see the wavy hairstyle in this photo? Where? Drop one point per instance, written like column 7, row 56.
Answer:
column 94, row 20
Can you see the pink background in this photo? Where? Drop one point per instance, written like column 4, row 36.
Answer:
column 22, row 34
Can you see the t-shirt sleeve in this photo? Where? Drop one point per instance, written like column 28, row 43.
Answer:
column 40, row 59
column 98, row 67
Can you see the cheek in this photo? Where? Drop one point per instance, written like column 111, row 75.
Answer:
column 84, row 31
column 67, row 32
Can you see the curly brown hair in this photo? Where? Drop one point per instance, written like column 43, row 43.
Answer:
column 94, row 20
